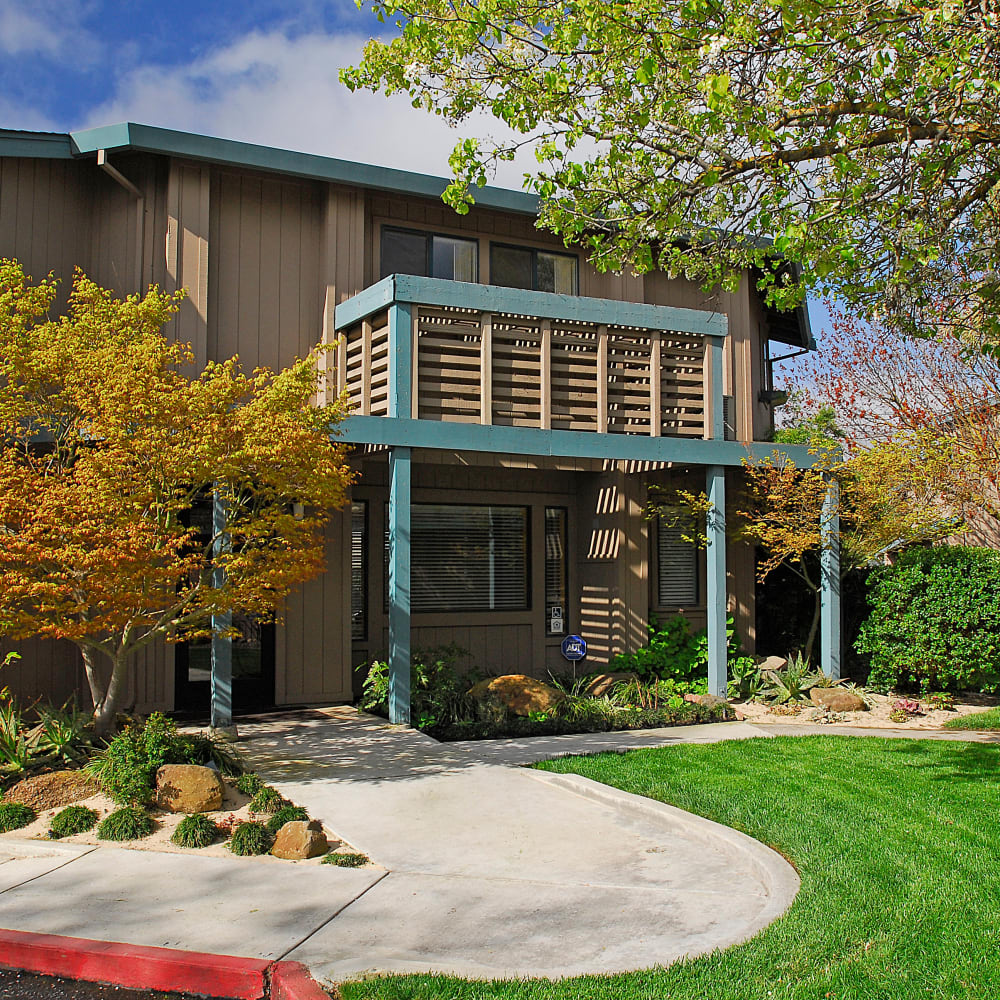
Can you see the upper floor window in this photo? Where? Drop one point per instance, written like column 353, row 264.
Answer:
column 525, row 267
column 429, row 255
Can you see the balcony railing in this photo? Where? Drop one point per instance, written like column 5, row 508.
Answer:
column 490, row 355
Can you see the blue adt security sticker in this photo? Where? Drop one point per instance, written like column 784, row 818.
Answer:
column 574, row 648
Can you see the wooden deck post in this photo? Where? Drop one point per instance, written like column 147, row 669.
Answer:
column 602, row 379
column 486, row 370
column 716, row 596
column 545, row 374
column 830, row 637
column 715, row 422
column 655, row 393
column 222, row 645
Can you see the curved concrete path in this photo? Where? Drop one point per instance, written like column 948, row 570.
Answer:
column 499, row 871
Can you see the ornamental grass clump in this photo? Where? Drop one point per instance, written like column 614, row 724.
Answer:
column 249, row 783
column 249, row 839
column 267, row 800
column 72, row 819
column 286, row 814
column 127, row 823
column 346, row 860
column 13, row 816
column 195, row 830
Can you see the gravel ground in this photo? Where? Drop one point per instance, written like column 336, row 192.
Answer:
column 16, row 985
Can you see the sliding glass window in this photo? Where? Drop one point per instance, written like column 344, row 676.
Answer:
column 541, row 270
column 429, row 255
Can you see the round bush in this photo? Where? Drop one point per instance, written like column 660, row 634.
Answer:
column 72, row 819
column 249, row 783
column 250, row 838
column 13, row 816
column 286, row 814
column 267, row 800
column 935, row 621
column 196, row 830
column 128, row 823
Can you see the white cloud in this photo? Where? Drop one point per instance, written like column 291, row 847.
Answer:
column 269, row 88
column 45, row 28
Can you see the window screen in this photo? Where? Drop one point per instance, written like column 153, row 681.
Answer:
column 556, row 617
column 512, row 267
column 453, row 259
column 524, row 267
column 678, row 568
column 467, row 558
column 557, row 273
column 359, row 571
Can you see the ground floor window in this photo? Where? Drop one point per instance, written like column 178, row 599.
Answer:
column 677, row 568
column 359, row 570
column 466, row 557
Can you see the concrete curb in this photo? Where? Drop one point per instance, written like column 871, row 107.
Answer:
column 167, row 969
column 779, row 879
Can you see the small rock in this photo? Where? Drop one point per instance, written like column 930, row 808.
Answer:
column 300, row 839
column 773, row 663
column 520, row 693
column 707, row 700
column 603, row 683
column 837, row 699
column 188, row 788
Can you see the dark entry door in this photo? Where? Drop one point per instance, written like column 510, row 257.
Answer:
column 253, row 670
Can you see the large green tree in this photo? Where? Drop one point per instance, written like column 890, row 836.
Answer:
column 861, row 137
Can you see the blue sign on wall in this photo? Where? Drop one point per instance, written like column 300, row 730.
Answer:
column 574, row 648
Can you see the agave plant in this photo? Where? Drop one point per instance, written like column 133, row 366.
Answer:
column 790, row 685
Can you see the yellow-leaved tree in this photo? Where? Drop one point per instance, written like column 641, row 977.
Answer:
column 108, row 438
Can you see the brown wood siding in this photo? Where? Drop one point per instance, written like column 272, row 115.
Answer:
column 49, row 670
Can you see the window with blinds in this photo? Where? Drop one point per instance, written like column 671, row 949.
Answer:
column 359, row 570
column 556, row 617
column 467, row 558
column 677, row 564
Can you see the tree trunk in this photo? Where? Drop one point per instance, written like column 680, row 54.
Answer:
column 105, row 700
column 813, row 627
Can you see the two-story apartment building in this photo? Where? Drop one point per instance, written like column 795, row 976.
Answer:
column 512, row 405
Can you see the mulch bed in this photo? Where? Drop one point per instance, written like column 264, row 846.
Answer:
column 52, row 790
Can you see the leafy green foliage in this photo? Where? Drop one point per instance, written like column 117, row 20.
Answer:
column 64, row 732
column 127, row 823
column 286, row 814
column 745, row 679
column 196, row 830
column 249, row 783
column 72, row 819
column 250, row 839
column 126, row 767
column 346, row 860
column 935, row 621
column 15, row 750
column 267, row 800
column 438, row 690
column 14, row 815
column 791, row 684
column 674, row 652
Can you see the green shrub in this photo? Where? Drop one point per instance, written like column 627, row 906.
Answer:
column 13, row 816
column 127, row 823
column 196, row 830
column 126, row 767
column 249, row 783
column 935, row 621
column 674, row 652
column 249, row 839
column 346, row 860
column 286, row 814
column 72, row 819
column 267, row 800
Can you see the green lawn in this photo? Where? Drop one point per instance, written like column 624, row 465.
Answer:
column 990, row 719
column 898, row 846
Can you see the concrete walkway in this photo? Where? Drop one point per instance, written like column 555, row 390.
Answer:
column 482, row 868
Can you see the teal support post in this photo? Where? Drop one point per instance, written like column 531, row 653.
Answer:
column 716, row 596
column 830, row 633
column 399, row 585
column 400, row 360
column 222, row 645
column 714, row 364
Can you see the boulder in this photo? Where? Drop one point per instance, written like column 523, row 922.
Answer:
column 521, row 694
column 837, row 699
column 300, row 839
column 603, row 683
column 773, row 663
column 188, row 788
column 707, row 700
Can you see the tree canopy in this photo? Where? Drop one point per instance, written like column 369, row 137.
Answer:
column 859, row 139
column 108, row 439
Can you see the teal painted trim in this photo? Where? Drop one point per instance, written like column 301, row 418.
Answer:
column 499, row 439
column 713, row 346
column 400, row 360
column 149, row 139
column 400, row 483
column 36, row 145
column 830, row 621
column 222, row 646
column 498, row 299
column 716, row 597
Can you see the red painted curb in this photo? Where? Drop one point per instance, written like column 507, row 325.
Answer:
column 135, row 966
column 292, row 981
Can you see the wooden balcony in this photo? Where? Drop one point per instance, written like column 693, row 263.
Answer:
column 481, row 354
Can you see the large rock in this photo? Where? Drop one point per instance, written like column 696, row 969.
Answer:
column 837, row 699
column 300, row 839
column 603, row 683
column 706, row 700
column 521, row 694
column 188, row 788
column 773, row 663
